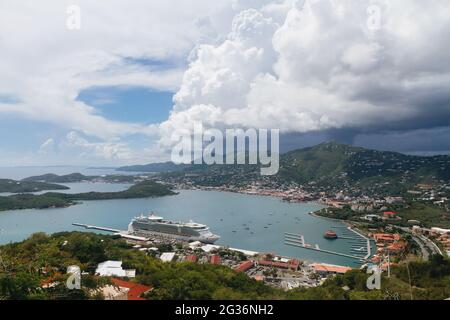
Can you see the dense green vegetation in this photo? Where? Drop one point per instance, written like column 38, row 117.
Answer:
column 333, row 163
column 22, row 270
column 143, row 189
column 427, row 214
column 25, row 266
column 12, row 186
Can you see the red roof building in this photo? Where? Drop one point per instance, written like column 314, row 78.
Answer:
column 244, row 266
column 390, row 214
column 135, row 291
column 215, row 259
column 386, row 237
column 397, row 247
column 292, row 264
column 192, row 258
column 325, row 268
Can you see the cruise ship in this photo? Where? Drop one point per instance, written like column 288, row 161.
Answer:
column 158, row 226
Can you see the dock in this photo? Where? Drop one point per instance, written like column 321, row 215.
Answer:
column 86, row 226
column 359, row 243
column 291, row 241
column 124, row 234
column 369, row 246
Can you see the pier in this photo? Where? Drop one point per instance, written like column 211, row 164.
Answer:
column 298, row 241
column 122, row 233
column 369, row 246
column 295, row 237
column 359, row 243
column 86, row 226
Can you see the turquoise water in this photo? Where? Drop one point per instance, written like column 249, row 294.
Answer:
column 227, row 214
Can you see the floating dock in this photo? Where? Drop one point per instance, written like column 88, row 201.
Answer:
column 359, row 243
column 290, row 241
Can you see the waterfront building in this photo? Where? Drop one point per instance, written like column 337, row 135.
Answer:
column 244, row 266
column 327, row 269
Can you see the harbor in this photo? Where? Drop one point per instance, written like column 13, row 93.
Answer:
column 261, row 229
column 176, row 235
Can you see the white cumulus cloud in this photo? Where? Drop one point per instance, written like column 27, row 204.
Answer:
column 320, row 67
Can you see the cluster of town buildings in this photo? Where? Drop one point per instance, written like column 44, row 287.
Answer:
column 388, row 245
column 279, row 272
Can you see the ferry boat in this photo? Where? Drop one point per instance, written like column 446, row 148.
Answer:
column 330, row 235
column 153, row 225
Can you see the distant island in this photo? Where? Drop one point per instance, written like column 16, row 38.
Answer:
column 155, row 167
column 13, row 186
column 145, row 189
column 78, row 177
column 51, row 182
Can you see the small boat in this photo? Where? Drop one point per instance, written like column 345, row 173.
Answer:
column 330, row 235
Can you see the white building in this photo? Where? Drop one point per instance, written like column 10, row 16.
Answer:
column 440, row 230
column 114, row 269
column 195, row 245
column 209, row 247
column 167, row 256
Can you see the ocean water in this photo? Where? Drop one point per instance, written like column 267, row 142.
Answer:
column 227, row 214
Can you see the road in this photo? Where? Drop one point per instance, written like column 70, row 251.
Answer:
column 424, row 243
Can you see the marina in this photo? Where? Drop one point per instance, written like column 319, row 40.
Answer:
column 356, row 251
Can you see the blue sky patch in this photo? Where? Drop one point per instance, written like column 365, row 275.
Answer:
column 9, row 99
column 129, row 104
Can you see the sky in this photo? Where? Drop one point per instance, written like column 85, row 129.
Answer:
column 109, row 82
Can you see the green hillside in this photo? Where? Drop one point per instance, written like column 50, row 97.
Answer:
column 145, row 189
column 26, row 265
column 12, row 186
column 330, row 166
column 50, row 177
column 338, row 161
